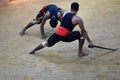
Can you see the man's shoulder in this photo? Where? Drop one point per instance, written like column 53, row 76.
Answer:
column 77, row 17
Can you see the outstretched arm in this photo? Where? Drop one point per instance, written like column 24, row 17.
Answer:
column 84, row 32
column 42, row 25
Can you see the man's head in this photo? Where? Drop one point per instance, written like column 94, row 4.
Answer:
column 75, row 6
column 53, row 22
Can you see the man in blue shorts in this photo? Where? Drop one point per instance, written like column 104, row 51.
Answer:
column 65, row 32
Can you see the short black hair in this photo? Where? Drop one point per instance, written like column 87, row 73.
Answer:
column 53, row 22
column 75, row 6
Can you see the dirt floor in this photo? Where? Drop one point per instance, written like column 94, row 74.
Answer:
column 60, row 62
column 3, row 2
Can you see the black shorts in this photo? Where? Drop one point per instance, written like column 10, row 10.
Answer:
column 69, row 38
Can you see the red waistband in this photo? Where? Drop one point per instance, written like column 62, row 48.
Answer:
column 62, row 31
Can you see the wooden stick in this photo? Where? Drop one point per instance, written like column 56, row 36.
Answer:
column 95, row 46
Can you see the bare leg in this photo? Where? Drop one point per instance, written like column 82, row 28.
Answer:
column 40, row 46
column 81, row 53
column 22, row 32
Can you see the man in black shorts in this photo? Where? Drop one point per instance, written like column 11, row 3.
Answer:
column 51, row 12
column 65, row 32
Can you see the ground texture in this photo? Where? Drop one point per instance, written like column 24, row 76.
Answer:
column 60, row 62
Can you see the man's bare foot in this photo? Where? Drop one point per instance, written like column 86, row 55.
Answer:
column 81, row 54
column 22, row 32
column 32, row 52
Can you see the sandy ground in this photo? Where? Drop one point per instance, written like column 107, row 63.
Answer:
column 60, row 62
column 3, row 2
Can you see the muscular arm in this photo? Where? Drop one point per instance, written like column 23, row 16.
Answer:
column 42, row 25
column 59, row 16
column 83, row 30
